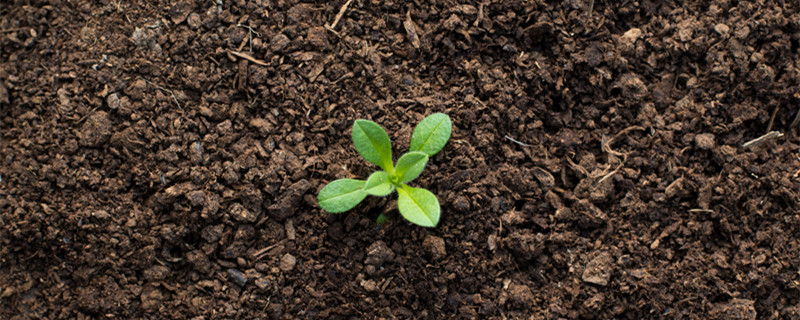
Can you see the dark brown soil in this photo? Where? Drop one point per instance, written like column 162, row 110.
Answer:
column 161, row 159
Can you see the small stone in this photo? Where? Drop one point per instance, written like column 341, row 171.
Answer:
column 113, row 101
column 520, row 295
column 179, row 189
column 378, row 253
column 318, row 37
column 491, row 242
column 196, row 152
column 194, row 21
column 288, row 262
column 291, row 233
column 369, row 285
column 237, row 277
column 632, row 35
column 101, row 214
column 598, row 270
column 434, row 246
column 704, row 141
column 278, row 42
column 627, row 42
column 722, row 29
column 262, row 283
column 241, row 214
column 197, row 198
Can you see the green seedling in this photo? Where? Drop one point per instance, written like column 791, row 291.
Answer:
column 417, row 205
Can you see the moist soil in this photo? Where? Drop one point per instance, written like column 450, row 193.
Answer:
column 161, row 159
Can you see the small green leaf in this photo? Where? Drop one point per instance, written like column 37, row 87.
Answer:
column 382, row 219
column 418, row 205
column 410, row 166
column 373, row 143
column 431, row 134
column 341, row 195
column 378, row 184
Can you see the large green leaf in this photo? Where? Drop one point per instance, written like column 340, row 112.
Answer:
column 341, row 195
column 418, row 205
column 431, row 134
column 410, row 165
column 378, row 184
column 373, row 144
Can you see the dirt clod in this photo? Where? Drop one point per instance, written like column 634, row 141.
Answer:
column 289, row 200
column 242, row 214
column 525, row 245
column 288, row 262
column 96, row 130
column 197, row 198
column 521, row 296
column 434, row 246
column 378, row 253
column 278, row 42
column 598, row 270
column 704, row 141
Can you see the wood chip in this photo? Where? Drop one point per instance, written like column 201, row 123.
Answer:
column 412, row 30
column 248, row 57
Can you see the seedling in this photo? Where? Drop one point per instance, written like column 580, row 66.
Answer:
column 417, row 205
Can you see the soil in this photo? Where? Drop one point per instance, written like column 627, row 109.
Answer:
column 161, row 159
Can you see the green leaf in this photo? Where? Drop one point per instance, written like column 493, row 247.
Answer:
column 378, row 184
column 410, row 165
column 418, row 205
column 373, row 143
column 382, row 219
column 431, row 134
column 341, row 195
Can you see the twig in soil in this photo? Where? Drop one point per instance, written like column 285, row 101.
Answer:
column 260, row 253
column 772, row 118
column 698, row 210
column 518, row 142
column 250, row 34
column 480, row 17
column 338, row 16
column 610, row 173
column 796, row 120
column 762, row 139
column 248, row 57
column 11, row 30
column 167, row 91
column 606, row 144
column 412, row 30
column 249, row 28
column 591, row 8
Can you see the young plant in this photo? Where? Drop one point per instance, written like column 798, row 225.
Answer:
column 417, row 205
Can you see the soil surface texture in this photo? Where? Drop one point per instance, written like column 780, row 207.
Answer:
column 609, row 159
